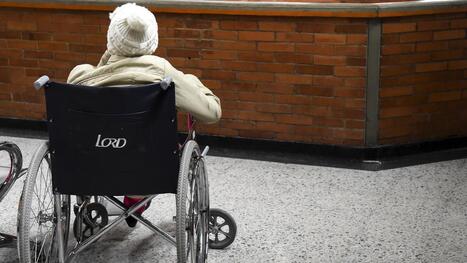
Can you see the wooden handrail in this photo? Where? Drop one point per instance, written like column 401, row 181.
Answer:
column 294, row 9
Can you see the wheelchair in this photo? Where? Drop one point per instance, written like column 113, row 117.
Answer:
column 106, row 142
column 11, row 170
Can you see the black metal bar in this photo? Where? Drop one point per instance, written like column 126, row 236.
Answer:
column 372, row 82
column 143, row 221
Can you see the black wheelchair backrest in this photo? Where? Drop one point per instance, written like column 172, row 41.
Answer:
column 112, row 140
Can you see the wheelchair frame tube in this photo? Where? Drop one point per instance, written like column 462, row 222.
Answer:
column 80, row 246
column 58, row 209
column 143, row 221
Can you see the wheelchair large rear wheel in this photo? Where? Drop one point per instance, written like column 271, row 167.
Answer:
column 37, row 215
column 192, row 223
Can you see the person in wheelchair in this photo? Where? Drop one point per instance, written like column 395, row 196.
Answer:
column 132, row 38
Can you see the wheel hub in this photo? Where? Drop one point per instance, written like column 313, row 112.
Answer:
column 44, row 217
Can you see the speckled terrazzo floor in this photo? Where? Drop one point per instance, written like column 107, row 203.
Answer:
column 298, row 213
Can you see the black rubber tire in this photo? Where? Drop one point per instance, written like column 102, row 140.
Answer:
column 205, row 203
column 217, row 243
column 26, row 217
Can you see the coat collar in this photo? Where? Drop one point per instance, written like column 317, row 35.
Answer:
column 115, row 58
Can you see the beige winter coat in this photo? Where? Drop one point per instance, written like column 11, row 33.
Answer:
column 190, row 94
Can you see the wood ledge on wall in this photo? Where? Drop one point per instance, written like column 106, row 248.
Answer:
column 294, row 9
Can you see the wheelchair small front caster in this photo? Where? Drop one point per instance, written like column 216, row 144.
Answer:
column 94, row 218
column 222, row 229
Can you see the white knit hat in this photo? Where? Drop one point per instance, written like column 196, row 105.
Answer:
column 132, row 31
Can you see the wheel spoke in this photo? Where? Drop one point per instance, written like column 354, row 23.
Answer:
column 35, row 248
column 43, row 244
column 34, row 215
column 49, row 194
column 223, row 224
column 37, row 193
column 216, row 221
column 49, row 252
column 48, row 205
column 188, row 248
column 224, row 233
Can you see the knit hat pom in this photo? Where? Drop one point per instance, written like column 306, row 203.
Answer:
column 136, row 22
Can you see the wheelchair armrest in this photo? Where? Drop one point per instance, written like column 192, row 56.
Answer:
column 40, row 82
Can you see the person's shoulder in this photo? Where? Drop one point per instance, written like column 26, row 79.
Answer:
column 159, row 62
column 153, row 59
column 79, row 71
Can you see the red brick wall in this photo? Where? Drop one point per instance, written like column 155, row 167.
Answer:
column 287, row 79
column 279, row 78
column 424, row 78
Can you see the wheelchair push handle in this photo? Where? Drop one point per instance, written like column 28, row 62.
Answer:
column 165, row 83
column 40, row 82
